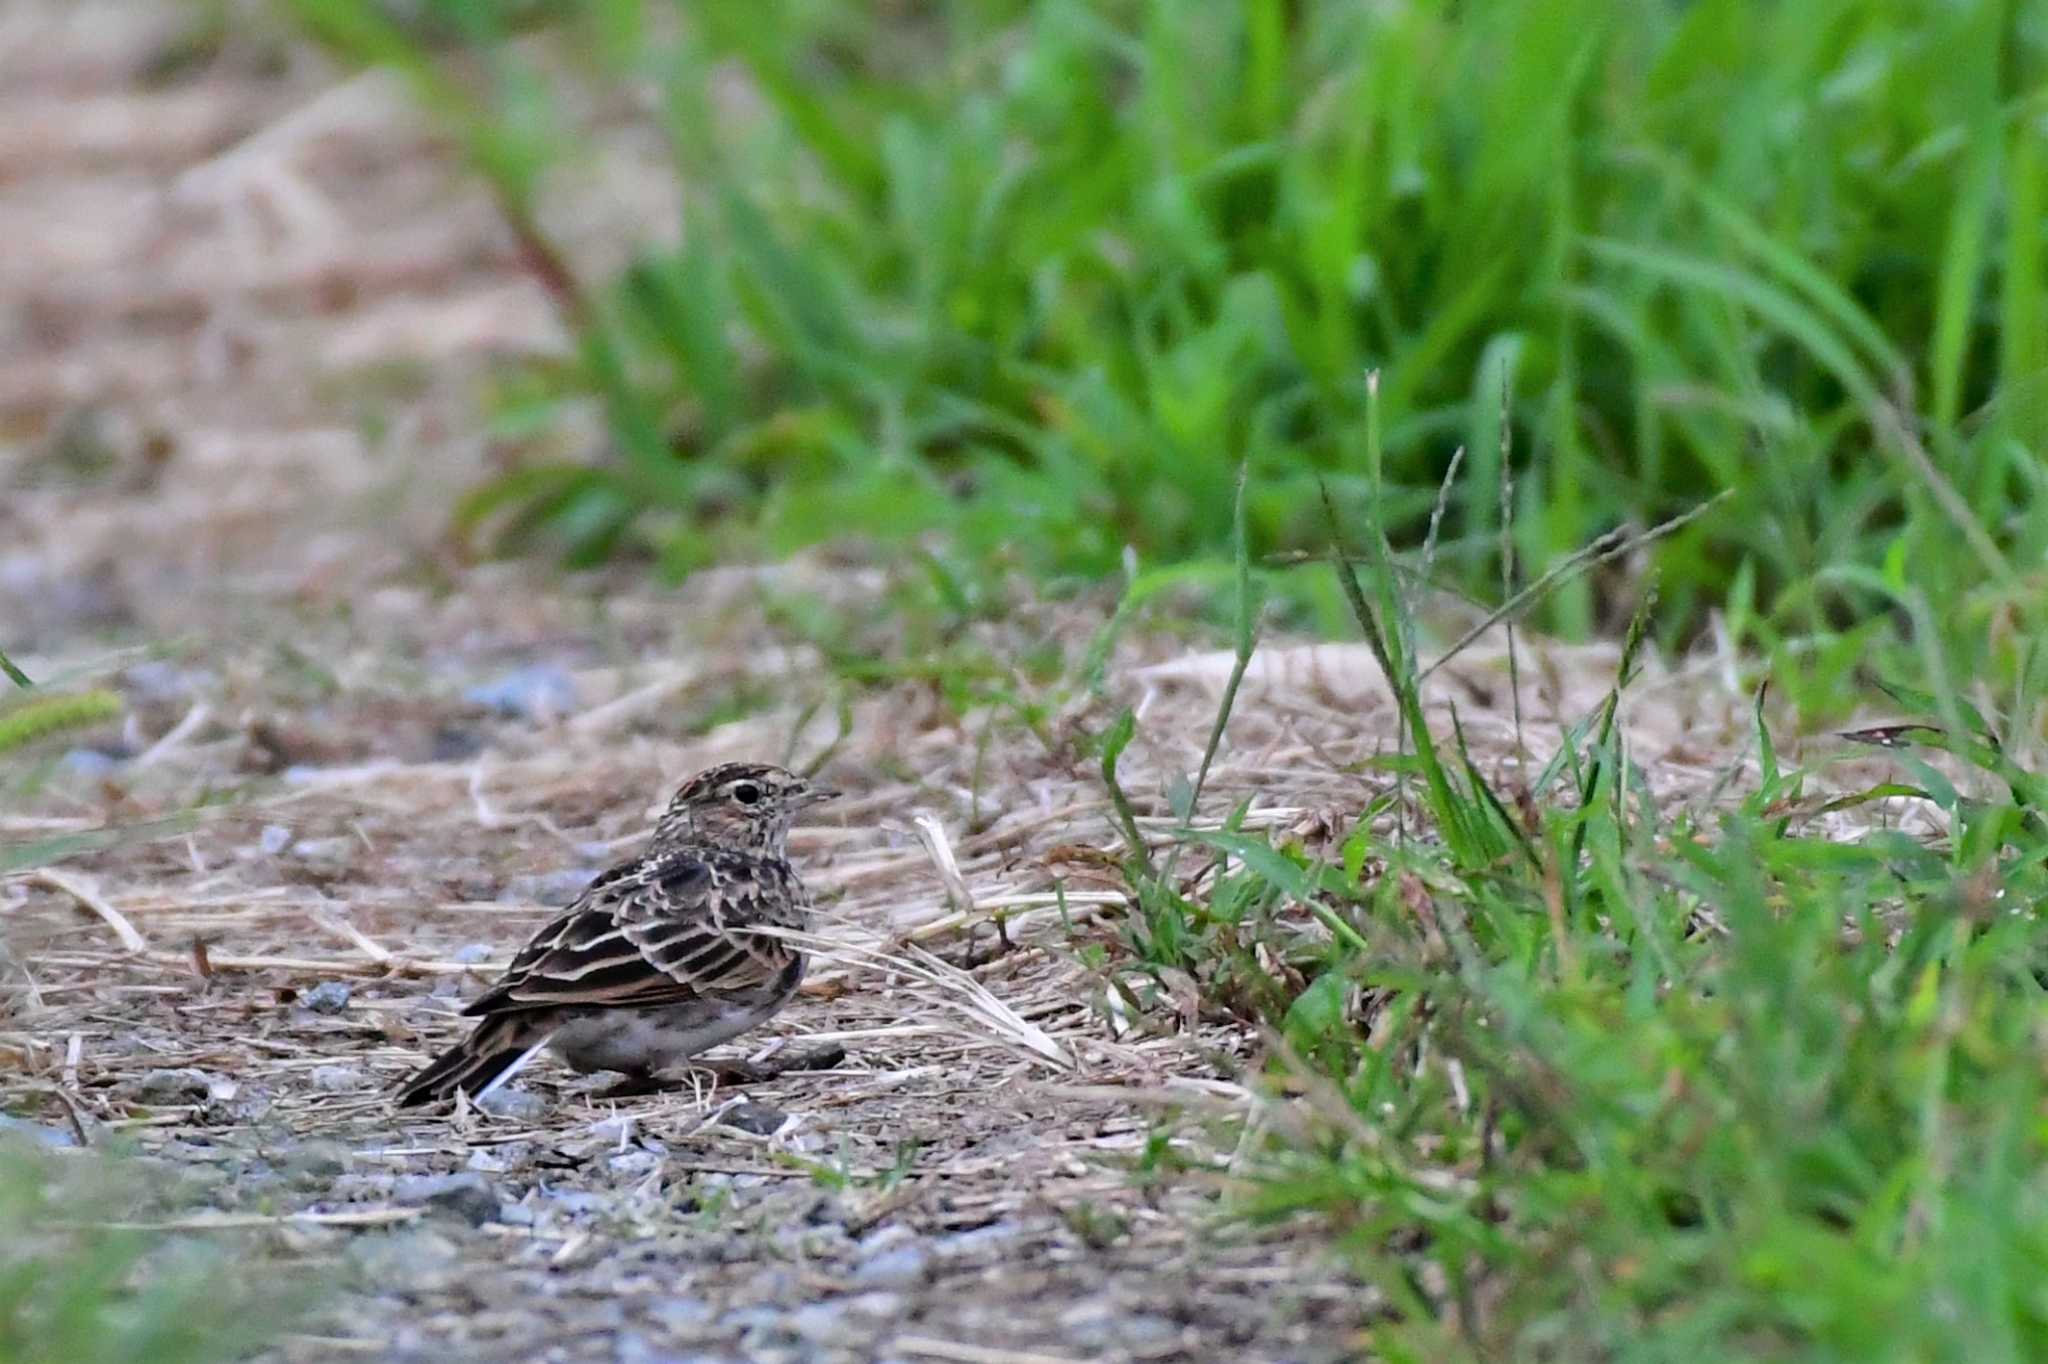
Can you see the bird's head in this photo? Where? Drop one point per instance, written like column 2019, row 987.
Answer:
column 747, row 806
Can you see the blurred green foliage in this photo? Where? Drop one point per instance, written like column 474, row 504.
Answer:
column 1041, row 275
column 79, row 1287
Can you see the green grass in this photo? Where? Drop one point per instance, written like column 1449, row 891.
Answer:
column 30, row 720
column 1577, row 1078
column 1038, row 277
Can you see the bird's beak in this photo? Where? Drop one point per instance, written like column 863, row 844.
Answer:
column 817, row 795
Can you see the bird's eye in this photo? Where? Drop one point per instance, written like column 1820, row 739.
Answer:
column 746, row 793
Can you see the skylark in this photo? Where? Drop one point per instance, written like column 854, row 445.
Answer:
column 660, row 957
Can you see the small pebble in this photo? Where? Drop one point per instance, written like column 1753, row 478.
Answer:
column 453, row 745
column 1146, row 1330
column 765, row 1331
column 904, row 1267
column 513, row 1103
column 336, row 1079
column 541, row 692
column 319, row 1159
column 328, row 997
column 325, row 849
column 470, row 883
column 777, row 1283
column 472, row 952
column 88, row 762
column 158, row 680
column 634, row 1348
column 361, row 1186
column 762, row 1120
column 576, row 1202
column 68, row 599
column 183, row 1085
column 254, row 1183
column 413, row 1189
column 1092, row 1316
column 249, row 1108
column 418, row 1257
column 465, row 1193
column 885, row 1238
column 825, row 1322
column 215, row 1179
column 680, row 1314
column 633, row 1163
column 274, row 839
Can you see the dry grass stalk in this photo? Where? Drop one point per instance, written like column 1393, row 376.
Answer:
column 88, row 897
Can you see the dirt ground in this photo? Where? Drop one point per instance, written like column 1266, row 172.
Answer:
column 242, row 316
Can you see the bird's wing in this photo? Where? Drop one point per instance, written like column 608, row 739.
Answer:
column 673, row 928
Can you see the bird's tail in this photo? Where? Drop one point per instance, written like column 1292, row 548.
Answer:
column 479, row 1063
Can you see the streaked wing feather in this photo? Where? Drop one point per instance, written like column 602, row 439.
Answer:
column 720, row 962
column 671, row 930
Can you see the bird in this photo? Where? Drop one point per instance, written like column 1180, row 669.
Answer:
column 662, row 956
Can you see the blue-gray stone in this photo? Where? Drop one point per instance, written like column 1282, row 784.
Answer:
column 542, row 691
column 328, row 997
column 88, row 762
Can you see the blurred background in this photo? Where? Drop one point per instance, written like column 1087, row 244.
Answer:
column 1022, row 285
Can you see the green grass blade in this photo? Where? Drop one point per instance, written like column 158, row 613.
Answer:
column 14, row 674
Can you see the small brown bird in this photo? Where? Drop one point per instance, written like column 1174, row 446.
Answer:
column 658, row 959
